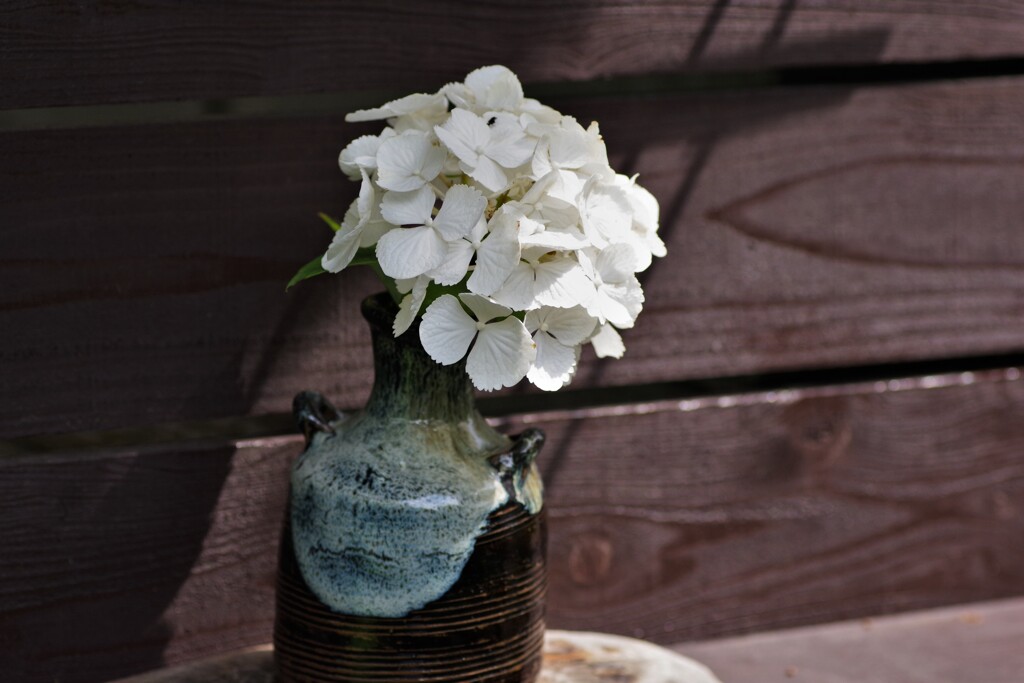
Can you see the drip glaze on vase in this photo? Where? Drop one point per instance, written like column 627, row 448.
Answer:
column 414, row 544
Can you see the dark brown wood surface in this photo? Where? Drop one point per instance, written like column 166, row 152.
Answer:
column 142, row 268
column 60, row 53
column 973, row 642
column 669, row 521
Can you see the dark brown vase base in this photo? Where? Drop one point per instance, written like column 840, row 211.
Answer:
column 489, row 628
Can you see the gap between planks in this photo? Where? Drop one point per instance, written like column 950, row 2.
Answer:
column 652, row 85
column 684, row 396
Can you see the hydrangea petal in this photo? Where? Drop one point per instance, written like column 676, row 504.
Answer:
column 554, row 365
column 407, row 208
column 642, row 253
column 487, row 173
column 495, row 87
column 568, row 146
column 341, row 250
column 508, row 145
column 447, row 330
column 462, row 208
column 360, row 155
column 497, row 255
column 605, row 214
column 562, row 283
column 464, row 133
column 404, row 105
column 517, row 292
column 617, row 304
column 556, row 239
column 365, row 200
column 455, row 265
column 484, row 309
column 410, row 305
column 405, row 284
column 459, row 95
column 567, row 189
column 655, row 244
column 617, row 262
column 501, row 356
column 607, row 343
column 570, row 326
column 407, row 162
column 373, row 230
column 408, row 252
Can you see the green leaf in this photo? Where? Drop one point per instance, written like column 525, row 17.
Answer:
column 311, row 269
column 366, row 256
column 333, row 224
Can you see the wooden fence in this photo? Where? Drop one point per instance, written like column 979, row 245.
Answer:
column 820, row 414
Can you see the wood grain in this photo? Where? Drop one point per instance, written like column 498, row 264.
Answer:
column 788, row 509
column 669, row 521
column 60, row 54
column 109, row 553
column 142, row 267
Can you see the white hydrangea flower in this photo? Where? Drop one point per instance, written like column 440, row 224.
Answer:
column 361, row 154
column 495, row 247
column 408, row 161
column 565, row 145
column 549, row 219
column 362, row 226
column 605, row 213
column 618, row 296
column 644, row 237
column 514, row 209
column 557, row 333
column 502, row 352
column 543, row 278
column 416, row 105
column 413, row 251
column 607, row 343
column 489, row 88
column 484, row 148
column 496, row 255
column 415, row 290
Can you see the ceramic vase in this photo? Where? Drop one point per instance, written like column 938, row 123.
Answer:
column 413, row 546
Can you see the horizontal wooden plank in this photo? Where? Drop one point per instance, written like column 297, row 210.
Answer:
column 975, row 642
column 702, row 519
column 142, row 267
column 668, row 521
column 57, row 55
column 114, row 550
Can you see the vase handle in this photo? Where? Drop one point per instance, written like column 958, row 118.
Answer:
column 525, row 447
column 516, row 469
column 313, row 413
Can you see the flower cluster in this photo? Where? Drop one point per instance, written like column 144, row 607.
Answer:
column 501, row 219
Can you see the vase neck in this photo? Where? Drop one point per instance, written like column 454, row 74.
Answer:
column 407, row 382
